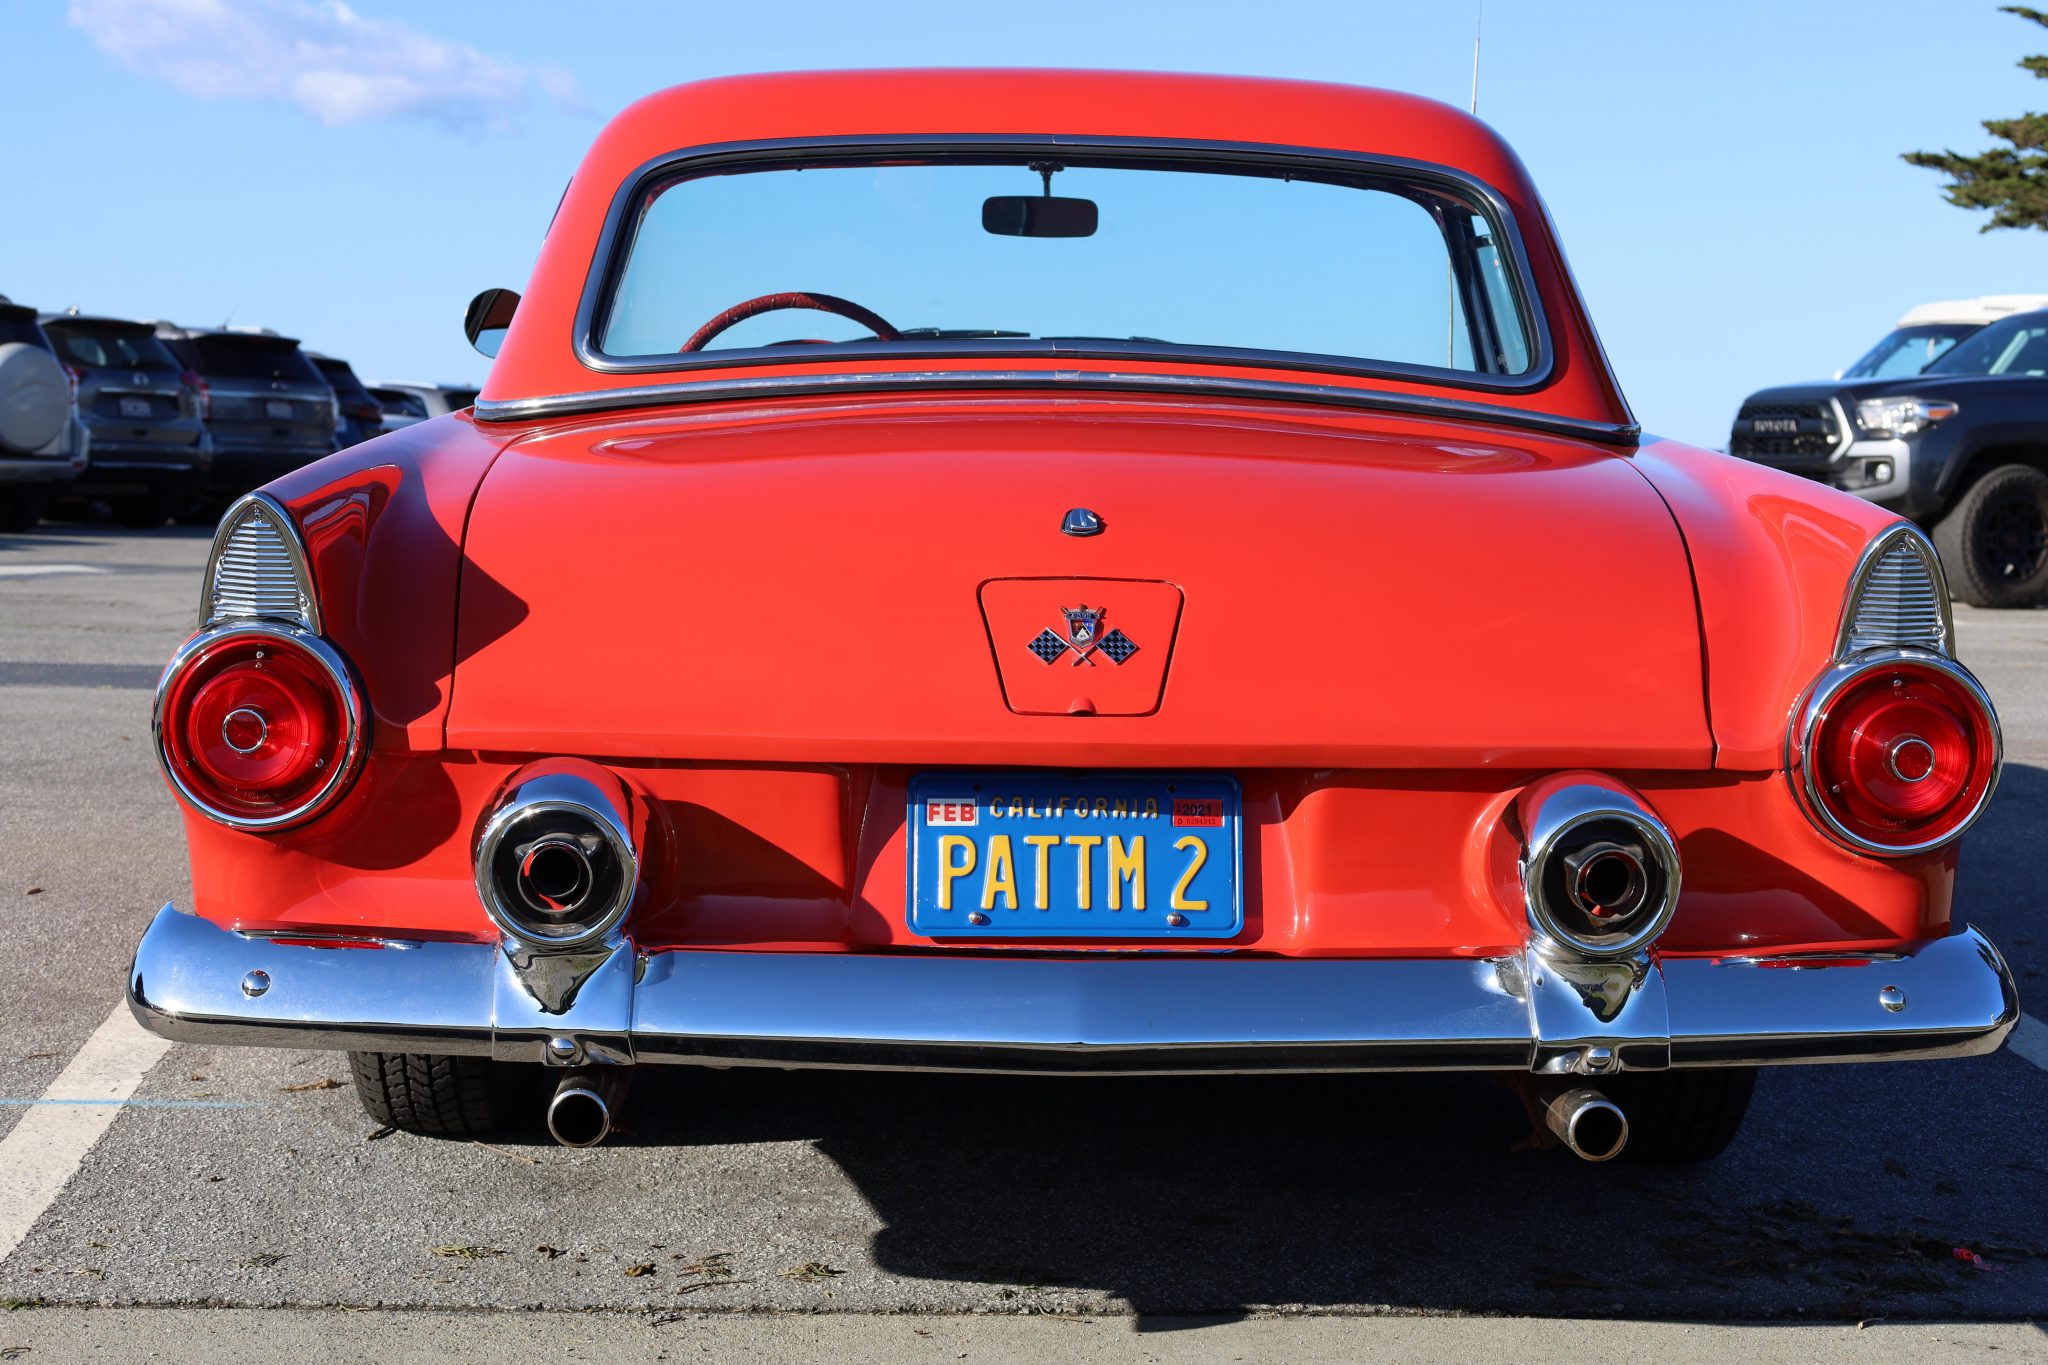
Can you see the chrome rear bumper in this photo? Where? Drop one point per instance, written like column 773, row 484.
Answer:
column 1943, row 997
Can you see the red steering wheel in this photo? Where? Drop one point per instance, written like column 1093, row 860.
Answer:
column 800, row 298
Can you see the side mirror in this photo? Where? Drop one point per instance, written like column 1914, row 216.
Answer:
column 490, row 313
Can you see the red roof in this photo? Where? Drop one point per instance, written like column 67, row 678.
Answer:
column 538, row 359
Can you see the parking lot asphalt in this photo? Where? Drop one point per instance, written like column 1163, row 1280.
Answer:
column 252, row 1177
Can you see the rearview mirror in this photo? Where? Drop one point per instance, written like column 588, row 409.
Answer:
column 1038, row 215
column 490, row 313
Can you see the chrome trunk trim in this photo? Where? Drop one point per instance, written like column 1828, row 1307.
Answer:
column 1196, row 387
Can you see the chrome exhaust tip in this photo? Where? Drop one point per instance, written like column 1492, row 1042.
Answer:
column 581, row 1112
column 1587, row 1122
column 556, row 861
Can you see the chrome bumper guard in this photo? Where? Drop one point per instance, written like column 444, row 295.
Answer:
column 1943, row 997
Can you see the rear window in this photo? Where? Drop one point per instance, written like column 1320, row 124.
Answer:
column 399, row 403
column 460, row 398
column 250, row 358
column 341, row 379
column 103, row 347
column 1112, row 253
column 16, row 325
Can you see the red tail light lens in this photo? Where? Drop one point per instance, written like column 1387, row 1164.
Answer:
column 259, row 726
column 202, row 393
column 1896, row 754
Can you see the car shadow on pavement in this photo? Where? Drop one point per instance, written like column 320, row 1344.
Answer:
column 1848, row 1194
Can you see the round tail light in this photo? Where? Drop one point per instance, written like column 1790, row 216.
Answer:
column 259, row 726
column 1895, row 753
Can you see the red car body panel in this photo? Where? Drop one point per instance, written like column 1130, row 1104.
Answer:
column 768, row 615
column 724, row 570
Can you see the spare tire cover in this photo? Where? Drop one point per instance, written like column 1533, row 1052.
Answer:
column 35, row 400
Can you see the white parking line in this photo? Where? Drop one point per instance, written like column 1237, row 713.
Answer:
column 2030, row 1039
column 31, row 570
column 42, row 1151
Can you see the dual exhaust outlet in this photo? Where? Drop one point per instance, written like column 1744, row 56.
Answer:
column 558, row 864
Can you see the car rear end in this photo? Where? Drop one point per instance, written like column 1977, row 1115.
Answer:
column 150, row 448
column 266, row 407
column 43, row 445
column 399, row 407
column 359, row 416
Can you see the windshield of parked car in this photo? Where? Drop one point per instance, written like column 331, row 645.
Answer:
column 1029, row 255
column 2015, row 345
column 1909, row 350
column 231, row 357
column 100, row 346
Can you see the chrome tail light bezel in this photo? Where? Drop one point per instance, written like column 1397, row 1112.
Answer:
column 304, row 612
column 1813, row 709
column 1853, row 638
column 355, row 745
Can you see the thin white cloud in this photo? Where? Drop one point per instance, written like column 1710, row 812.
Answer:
column 337, row 65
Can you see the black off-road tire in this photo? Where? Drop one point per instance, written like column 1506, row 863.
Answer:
column 142, row 511
column 22, row 505
column 432, row 1096
column 1680, row 1118
column 1994, row 542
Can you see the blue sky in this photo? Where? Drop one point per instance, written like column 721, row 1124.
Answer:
column 1725, row 176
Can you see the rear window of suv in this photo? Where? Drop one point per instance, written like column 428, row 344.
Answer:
column 20, row 325
column 250, row 358
column 98, row 347
column 343, row 380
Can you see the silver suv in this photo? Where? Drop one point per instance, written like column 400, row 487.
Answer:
column 266, row 407
column 42, row 444
column 150, row 450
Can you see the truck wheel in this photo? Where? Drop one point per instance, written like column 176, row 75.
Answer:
column 143, row 511
column 1994, row 542
column 1679, row 1118
column 21, row 506
column 433, row 1096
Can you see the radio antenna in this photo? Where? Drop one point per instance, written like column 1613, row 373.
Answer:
column 1478, row 22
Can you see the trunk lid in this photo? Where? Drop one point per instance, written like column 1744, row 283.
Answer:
column 841, row 583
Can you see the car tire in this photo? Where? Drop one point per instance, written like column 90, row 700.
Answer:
column 144, row 512
column 199, row 512
column 1994, row 542
column 1680, row 1118
column 22, row 506
column 429, row 1095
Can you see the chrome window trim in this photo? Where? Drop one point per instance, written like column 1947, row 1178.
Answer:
column 308, row 615
column 1557, row 815
column 355, row 743
column 1806, row 716
column 952, row 381
column 1846, row 643
column 614, row 244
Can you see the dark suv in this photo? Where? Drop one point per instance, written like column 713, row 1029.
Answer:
column 150, row 450
column 360, row 416
column 266, row 407
column 1961, row 447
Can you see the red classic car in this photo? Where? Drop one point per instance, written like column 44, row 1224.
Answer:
column 1066, row 572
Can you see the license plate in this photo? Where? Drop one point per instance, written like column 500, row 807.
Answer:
column 278, row 409
column 135, row 407
column 1003, row 855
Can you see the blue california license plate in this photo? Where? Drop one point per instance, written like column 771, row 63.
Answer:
column 1135, row 855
